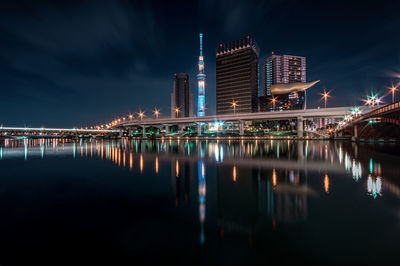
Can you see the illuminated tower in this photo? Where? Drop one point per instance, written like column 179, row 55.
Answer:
column 201, row 79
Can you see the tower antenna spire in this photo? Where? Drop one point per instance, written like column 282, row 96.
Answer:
column 201, row 44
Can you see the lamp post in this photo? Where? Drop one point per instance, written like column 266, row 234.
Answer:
column 141, row 114
column 273, row 100
column 234, row 104
column 393, row 89
column 325, row 95
column 177, row 111
column 156, row 113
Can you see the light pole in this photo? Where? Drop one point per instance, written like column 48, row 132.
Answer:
column 234, row 104
column 156, row 112
column 141, row 114
column 325, row 95
column 393, row 89
column 130, row 117
column 273, row 100
column 177, row 111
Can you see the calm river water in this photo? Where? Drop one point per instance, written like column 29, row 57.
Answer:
column 187, row 202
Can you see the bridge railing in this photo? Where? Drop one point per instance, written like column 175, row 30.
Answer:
column 381, row 110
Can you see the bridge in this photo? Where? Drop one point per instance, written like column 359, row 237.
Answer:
column 240, row 118
column 381, row 123
column 56, row 132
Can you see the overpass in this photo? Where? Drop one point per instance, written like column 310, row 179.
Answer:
column 299, row 115
column 26, row 131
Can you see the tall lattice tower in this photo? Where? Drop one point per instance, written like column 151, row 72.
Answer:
column 201, row 80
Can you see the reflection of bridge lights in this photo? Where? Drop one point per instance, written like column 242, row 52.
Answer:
column 141, row 163
column 274, row 177
column 216, row 153
column 340, row 155
column 374, row 187
column 356, row 170
column 156, row 165
column 234, row 173
column 177, row 168
column 326, row 183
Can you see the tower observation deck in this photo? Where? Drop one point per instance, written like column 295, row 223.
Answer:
column 201, row 80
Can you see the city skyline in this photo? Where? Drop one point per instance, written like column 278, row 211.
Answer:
column 104, row 69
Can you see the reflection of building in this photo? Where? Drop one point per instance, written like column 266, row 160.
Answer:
column 182, row 180
column 282, row 69
column 181, row 97
column 237, row 195
column 291, row 196
column 237, row 76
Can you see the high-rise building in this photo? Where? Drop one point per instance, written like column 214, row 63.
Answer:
column 282, row 69
column 181, row 97
column 201, row 80
column 237, row 76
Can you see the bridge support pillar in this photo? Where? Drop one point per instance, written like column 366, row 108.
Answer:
column 198, row 130
column 355, row 135
column 241, row 128
column 143, row 131
column 166, row 130
column 300, row 127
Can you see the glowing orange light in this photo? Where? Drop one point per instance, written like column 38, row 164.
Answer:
column 326, row 183
column 234, row 174
column 156, row 165
column 156, row 113
column 141, row 163
column 274, row 177
column 130, row 161
column 177, row 169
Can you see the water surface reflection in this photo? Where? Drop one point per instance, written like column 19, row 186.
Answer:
column 286, row 196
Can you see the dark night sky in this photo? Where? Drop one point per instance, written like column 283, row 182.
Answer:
column 75, row 63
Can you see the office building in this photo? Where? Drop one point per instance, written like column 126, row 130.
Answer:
column 181, row 97
column 237, row 76
column 284, row 69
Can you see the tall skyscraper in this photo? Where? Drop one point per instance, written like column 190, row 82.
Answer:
column 181, row 97
column 237, row 76
column 282, row 69
column 201, row 81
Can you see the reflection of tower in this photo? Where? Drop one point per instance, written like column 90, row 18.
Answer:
column 201, row 79
column 202, row 198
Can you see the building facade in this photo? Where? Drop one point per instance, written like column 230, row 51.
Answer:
column 237, row 76
column 181, row 97
column 282, row 69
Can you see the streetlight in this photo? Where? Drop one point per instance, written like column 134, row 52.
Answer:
column 130, row 116
column 273, row 100
column 141, row 114
column 234, row 104
column 372, row 100
column 177, row 111
column 393, row 89
column 156, row 112
column 325, row 95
